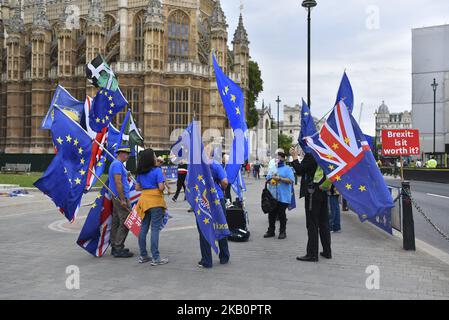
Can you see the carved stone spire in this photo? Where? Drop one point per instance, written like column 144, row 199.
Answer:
column 16, row 22
column 240, row 35
column 66, row 13
column 154, row 15
column 95, row 15
column 218, row 19
column 40, row 19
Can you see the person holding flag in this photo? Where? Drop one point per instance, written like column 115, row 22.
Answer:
column 118, row 183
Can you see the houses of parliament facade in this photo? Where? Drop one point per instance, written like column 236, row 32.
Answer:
column 160, row 51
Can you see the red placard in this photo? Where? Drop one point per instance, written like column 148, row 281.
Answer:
column 133, row 222
column 403, row 142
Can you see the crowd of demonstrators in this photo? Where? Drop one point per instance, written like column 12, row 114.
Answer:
column 151, row 207
column 280, row 186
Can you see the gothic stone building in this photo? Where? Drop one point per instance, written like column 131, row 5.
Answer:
column 161, row 52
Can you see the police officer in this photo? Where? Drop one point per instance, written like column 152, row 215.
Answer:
column 314, row 187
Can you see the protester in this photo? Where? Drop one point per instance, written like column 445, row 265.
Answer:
column 419, row 163
column 334, row 218
column 257, row 169
column 118, row 183
column 248, row 168
column 151, row 207
column 180, row 184
column 221, row 183
column 227, row 195
column 431, row 163
column 314, row 186
column 159, row 162
column 280, row 186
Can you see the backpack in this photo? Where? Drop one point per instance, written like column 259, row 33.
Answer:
column 269, row 203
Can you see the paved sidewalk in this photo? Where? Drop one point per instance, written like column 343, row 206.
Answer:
column 37, row 245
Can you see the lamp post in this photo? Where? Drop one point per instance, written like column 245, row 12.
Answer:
column 434, row 87
column 308, row 5
column 278, row 101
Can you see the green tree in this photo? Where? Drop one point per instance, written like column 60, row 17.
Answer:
column 255, row 87
column 285, row 142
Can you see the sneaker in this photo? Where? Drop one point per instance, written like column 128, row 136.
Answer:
column 159, row 262
column 144, row 259
column 202, row 266
column 123, row 254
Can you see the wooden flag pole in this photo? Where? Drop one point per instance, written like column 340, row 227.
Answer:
column 110, row 191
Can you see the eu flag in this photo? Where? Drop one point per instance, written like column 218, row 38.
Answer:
column 234, row 104
column 113, row 140
column 345, row 93
column 308, row 128
column 65, row 179
column 346, row 158
column 95, row 234
column 105, row 106
column 201, row 193
column 66, row 102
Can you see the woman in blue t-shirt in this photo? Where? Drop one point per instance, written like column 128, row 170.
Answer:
column 281, row 187
column 151, row 207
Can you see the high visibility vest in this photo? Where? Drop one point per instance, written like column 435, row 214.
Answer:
column 319, row 177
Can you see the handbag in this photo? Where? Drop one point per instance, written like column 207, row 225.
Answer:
column 269, row 203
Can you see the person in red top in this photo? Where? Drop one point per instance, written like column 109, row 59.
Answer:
column 248, row 168
column 182, row 173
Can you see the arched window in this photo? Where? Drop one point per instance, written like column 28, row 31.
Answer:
column 139, row 36
column 109, row 23
column 178, row 36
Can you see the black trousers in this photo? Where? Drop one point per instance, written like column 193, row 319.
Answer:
column 317, row 222
column 180, row 184
column 279, row 212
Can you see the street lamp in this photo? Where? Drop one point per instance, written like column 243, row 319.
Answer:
column 434, row 87
column 278, row 101
column 308, row 5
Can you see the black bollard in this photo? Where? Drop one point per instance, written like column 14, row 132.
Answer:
column 408, row 225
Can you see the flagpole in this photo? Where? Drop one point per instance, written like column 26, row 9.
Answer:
column 107, row 151
column 110, row 191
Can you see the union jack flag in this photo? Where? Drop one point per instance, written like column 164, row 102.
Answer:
column 341, row 149
column 95, row 235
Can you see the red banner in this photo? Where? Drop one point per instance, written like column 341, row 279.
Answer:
column 133, row 222
column 403, row 142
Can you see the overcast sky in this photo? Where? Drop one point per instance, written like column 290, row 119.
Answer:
column 371, row 39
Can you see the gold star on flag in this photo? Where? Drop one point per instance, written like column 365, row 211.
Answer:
column 110, row 111
column 197, row 199
column 335, row 146
column 97, row 120
column 348, row 186
column 331, row 167
column 99, row 164
column 106, row 117
column 80, row 150
column 237, row 110
column 198, row 212
column 110, row 98
column 329, row 156
column 82, row 172
column 99, row 196
column 82, row 161
column 337, row 178
column 75, row 142
column 101, row 91
column 213, row 190
column 102, row 120
column 68, row 138
column 200, row 177
column 362, row 188
column 112, row 104
column 106, row 93
column 94, row 205
column 226, row 89
column 217, row 202
column 59, row 140
column 347, row 140
column 78, row 181
column 197, row 188
column 233, row 98
column 206, row 221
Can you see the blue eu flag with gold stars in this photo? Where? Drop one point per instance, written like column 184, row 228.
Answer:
column 202, row 194
column 234, row 104
column 308, row 128
column 65, row 179
column 105, row 106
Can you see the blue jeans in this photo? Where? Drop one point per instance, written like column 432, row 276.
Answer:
column 206, row 250
column 154, row 217
column 334, row 217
